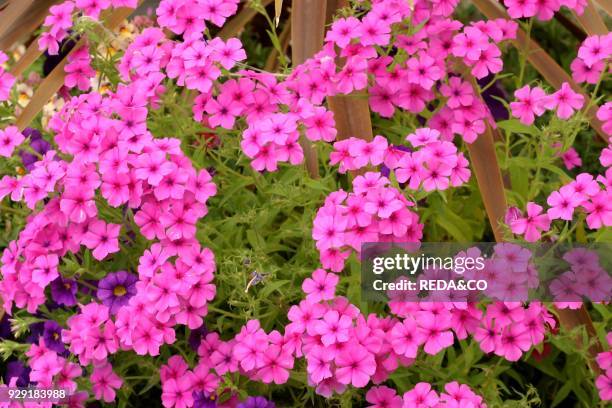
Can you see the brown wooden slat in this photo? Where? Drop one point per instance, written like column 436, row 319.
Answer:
column 352, row 115
column 307, row 34
column 24, row 28
column 27, row 59
column 483, row 158
column 12, row 13
column 54, row 81
column 605, row 5
column 591, row 21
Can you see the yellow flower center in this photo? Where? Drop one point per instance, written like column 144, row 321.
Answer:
column 119, row 290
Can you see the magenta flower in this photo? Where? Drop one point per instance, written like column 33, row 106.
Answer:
column 423, row 71
column 529, row 104
column 333, row 328
column 599, row 210
column 406, row 338
column 343, row 30
column 355, row 366
column 470, row 43
column 595, row 48
column 276, row 365
column 532, row 225
column 604, row 385
column 104, row 382
column 435, row 330
column 78, row 204
column 421, row 396
column 383, row 397
column 521, row 8
column 565, row 101
column 45, row 269
column 78, row 70
column 563, row 203
column 458, row 92
column 581, row 72
column 512, row 342
column 319, row 364
column 102, row 238
column 10, row 138
column 321, row 286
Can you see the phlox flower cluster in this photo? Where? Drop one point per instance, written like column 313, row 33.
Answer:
column 413, row 84
column 584, row 192
column 593, row 54
column 106, row 179
column 543, row 10
column 113, row 162
column 424, row 396
column 373, row 212
column 434, row 164
column 78, row 70
column 585, row 279
column 506, row 329
column 531, row 103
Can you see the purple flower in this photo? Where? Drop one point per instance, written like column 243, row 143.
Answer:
column 201, row 399
column 37, row 143
column 17, row 369
column 63, row 291
column 256, row 402
column 52, row 334
column 5, row 328
column 195, row 337
column 116, row 289
column 36, row 330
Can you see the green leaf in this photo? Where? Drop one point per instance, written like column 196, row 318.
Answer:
column 514, row 126
column 453, row 224
column 270, row 287
column 561, row 394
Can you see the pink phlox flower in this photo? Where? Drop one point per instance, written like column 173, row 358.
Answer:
column 421, row 396
column 563, row 203
column 10, row 137
column 595, row 48
column 565, row 101
column 521, row 8
column 529, row 104
column 383, row 397
column 604, row 113
column 321, row 286
column 102, row 238
column 104, row 382
column 227, row 53
column 599, row 210
column 423, row 71
column 470, row 43
column 533, row 224
column 277, row 362
column 355, row 365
